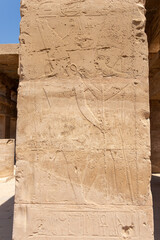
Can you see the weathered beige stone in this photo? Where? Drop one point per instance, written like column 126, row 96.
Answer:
column 7, row 157
column 83, row 147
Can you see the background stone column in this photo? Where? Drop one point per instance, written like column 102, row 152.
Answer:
column 7, row 147
column 83, row 146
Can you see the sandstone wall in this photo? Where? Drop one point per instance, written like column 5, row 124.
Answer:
column 7, row 147
column 83, row 147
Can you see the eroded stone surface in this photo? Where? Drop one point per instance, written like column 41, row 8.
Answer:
column 83, row 148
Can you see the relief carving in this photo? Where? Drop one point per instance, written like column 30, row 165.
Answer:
column 83, row 131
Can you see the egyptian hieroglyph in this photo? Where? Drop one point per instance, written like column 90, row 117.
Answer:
column 83, row 145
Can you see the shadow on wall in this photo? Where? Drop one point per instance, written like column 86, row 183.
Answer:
column 6, row 219
column 155, row 186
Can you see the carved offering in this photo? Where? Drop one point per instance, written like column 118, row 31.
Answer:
column 83, row 148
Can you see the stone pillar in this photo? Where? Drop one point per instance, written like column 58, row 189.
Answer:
column 2, row 126
column 7, row 147
column 83, row 145
column 8, row 110
column 7, row 126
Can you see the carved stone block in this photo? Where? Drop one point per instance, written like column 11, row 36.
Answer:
column 83, row 147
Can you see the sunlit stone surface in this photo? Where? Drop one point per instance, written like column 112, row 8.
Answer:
column 83, row 146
